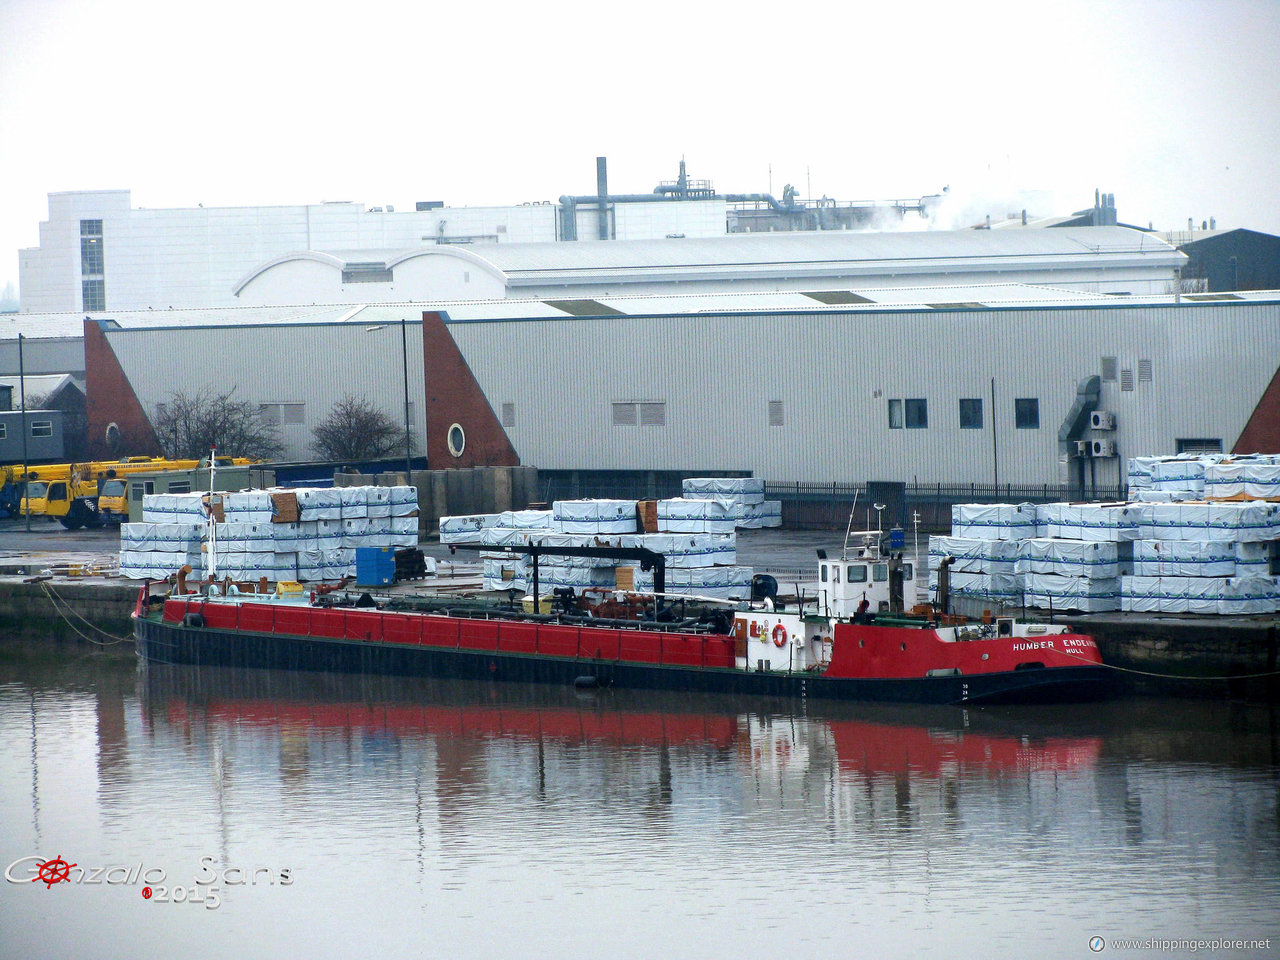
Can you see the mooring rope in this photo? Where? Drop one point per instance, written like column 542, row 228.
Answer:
column 55, row 599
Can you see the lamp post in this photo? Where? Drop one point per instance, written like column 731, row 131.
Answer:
column 404, row 360
column 404, row 366
column 22, row 401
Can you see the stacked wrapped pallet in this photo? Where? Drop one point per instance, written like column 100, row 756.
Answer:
column 305, row 534
column 1215, row 557
column 697, row 542
column 743, row 497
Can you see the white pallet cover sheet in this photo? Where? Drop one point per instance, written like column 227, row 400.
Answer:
column 1221, row 521
column 974, row 555
column 319, row 503
column 594, row 516
column 1138, row 472
column 1255, row 559
column 176, row 537
column 355, row 502
column 993, row 521
column 502, row 537
column 691, row 549
column 525, row 520
column 1069, row 558
column 1253, row 479
column 292, row 537
column 1100, row 523
column 1184, row 558
column 758, row 516
column 248, row 506
column 256, row 536
column 153, row 565
column 1230, row 596
column 173, row 507
column 253, row 565
column 1154, row 496
column 742, row 489
column 355, row 532
column 466, row 528
column 721, row 583
column 403, row 499
column 326, row 534
column 704, row 515
column 1183, row 475
column 1005, row 587
column 326, row 564
column 1050, row 591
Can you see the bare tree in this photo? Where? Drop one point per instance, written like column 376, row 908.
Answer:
column 357, row 430
column 187, row 425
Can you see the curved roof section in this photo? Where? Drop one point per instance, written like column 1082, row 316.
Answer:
column 342, row 260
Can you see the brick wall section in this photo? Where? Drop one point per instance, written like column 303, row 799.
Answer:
column 1262, row 433
column 454, row 396
column 110, row 399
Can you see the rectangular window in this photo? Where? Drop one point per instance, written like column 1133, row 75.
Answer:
column 1026, row 413
column 644, row 413
column 1109, row 367
column 775, row 413
column 1200, row 445
column 856, row 574
column 94, row 295
column 508, row 414
column 366, row 273
column 180, row 486
column 4, row 430
column 653, row 414
column 971, row 414
column 90, row 228
column 895, row 414
column 91, row 256
column 279, row 414
column 917, row 414
column 140, row 488
column 42, row 428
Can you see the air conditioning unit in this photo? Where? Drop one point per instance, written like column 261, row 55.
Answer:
column 1102, row 448
column 1102, row 420
column 1082, row 448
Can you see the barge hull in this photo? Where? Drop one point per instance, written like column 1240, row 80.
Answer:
column 164, row 642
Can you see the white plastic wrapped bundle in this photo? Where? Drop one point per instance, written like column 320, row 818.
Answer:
column 466, row 529
column 1139, row 472
column 1182, row 475
column 1183, row 558
column 692, row 550
column 1221, row 521
column 756, row 516
column 153, row 565
column 328, row 564
column 1244, row 479
column 1052, row 591
column 1154, row 496
column 379, row 502
column 595, row 516
column 176, row 537
column 499, row 537
column 525, row 520
column 403, row 500
column 1254, row 558
column 551, row 575
column 319, row 503
column 1103, row 523
column 993, row 521
column 743, row 489
column 721, row 583
column 507, row 573
column 328, row 534
column 1232, row 596
column 1069, row 558
column 679, row 515
column 291, row 537
column 355, row 532
column 354, row 502
column 1004, row 587
column 248, row 506
column 974, row 555
column 254, row 565
column 173, row 507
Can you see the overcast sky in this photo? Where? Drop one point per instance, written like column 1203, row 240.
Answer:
column 1172, row 105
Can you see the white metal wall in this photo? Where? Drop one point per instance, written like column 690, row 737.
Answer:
column 833, row 374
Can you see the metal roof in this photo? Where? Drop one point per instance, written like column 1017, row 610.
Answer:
column 70, row 325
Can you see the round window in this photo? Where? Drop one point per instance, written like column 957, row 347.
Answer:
column 457, row 440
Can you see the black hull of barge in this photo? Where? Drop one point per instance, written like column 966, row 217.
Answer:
column 179, row 644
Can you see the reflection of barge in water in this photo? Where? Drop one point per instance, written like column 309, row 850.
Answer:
column 835, row 647
column 864, row 739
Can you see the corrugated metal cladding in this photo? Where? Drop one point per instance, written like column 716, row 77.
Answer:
column 314, row 365
column 558, row 383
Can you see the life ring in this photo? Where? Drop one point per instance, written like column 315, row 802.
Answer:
column 779, row 636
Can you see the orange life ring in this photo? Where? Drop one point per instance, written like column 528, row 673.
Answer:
column 779, row 636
